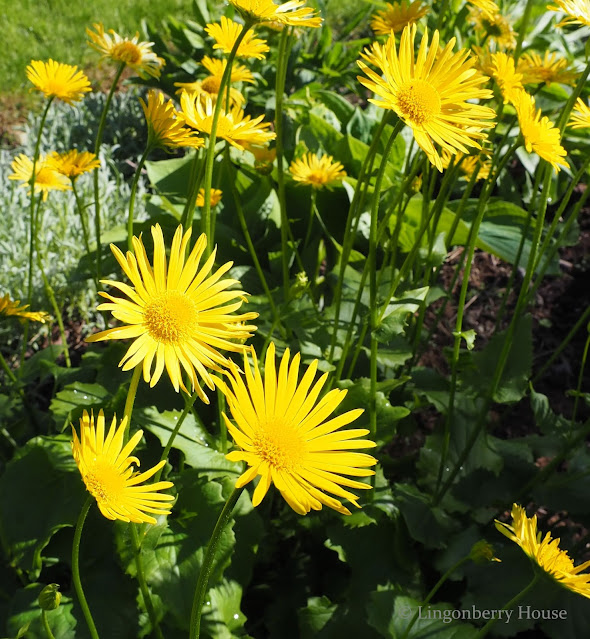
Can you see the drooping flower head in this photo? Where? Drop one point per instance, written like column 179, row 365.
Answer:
column 540, row 135
column 319, row 172
column 292, row 13
column 285, row 435
column 215, row 197
column 495, row 28
column 62, row 81
column 577, row 11
column 430, row 93
column 74, row 163
column 504, row 73
column 135, row 54
column 550, row 68
column 179, row 315
column 106, row 466
column 546, row 552
column 580, row 118
column 397, row 15
column 166, row 126
column 227, row 32
column 12, row 308
column 233, row 126
column 47, row 177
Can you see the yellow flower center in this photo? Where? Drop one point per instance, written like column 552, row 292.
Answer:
column 418, row 101
column 170, row 318
column 279, row 444
column 127, row 52
column 317, row 178
column 211, row 84
column 104, row 482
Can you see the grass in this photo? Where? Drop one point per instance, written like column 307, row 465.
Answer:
column 43, row 29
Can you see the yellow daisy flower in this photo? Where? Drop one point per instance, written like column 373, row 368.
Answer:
column 397, row 15
column 495, row 28
column 215, row 197
column 179, row 314
column 209, row 88
column 47, row 177
column 216, row 67
column 578, row 11
column 545, row 552
column 292, row 13
column 165, row 125
column 62, row 81
column 580, row 118
column 488, row 7
column 72, row 164
column 227, row 32
column 317, row 171
column 135, row 54
column 430, row 94
column 539, row 133
column 504, row 73
column 284, row 437
column 11, row 308
column 106, row 466
column 233, row 126
column 468, row 163
column 548, row 69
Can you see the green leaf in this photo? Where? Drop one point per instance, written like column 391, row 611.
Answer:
column 548, row 422
column 341, row 107
column 40, row 492
column 69, row 404
column 396, row 314
column 468, row 336
column 314, row 617
column 221, row 614
column 170, row 177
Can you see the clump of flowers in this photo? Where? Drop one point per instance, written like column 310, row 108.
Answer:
column 47, row 175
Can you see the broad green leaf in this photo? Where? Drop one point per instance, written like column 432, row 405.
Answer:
column 314, row 617
column 170, row 177
column 397, row 312
column 69, row 404
column 222, row 615
column 547, row 421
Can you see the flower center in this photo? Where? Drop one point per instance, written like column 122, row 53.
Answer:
column 418, row 101
column 170, row 317
column 211, row 84
column 279, row 444
column 104, row 482
column 127, row 52
column 317, row 178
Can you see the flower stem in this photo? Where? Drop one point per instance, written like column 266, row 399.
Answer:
column 569, row 105
column 197, row 170
column 46, row 625
column 145, row 593
column 97, row 144
column 76, row 568
column 522, row 28
column 484, row 631
column 131, row 393
column 206, row 222
column 312, row 207
column 132, row 197
column 82, row 214
column 207, row 565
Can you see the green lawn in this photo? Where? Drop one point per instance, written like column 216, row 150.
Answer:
column 43, row 29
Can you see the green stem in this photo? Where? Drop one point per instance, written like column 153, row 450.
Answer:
column 76, row 568
column 195, row 181
column 522, row 28
column 207, row 565
column 580, row 377
column 82, row 214
column 279, row 96
column 509, row 606
column 97, row 144
column 46, row 625
column 206, row 222
column 569, row 105
column 145, row 593
column 132, row 197
column 441, row 14
column 433, row 592
column 131, row 393
column 312, row 200
column 221, row 421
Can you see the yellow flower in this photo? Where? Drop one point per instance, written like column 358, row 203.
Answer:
column 504, row 73
column 233, row 126
column 179, row 314
column 9, row 307
column 495, row 28
column 292, row 13
column 106, row 466
column 546, row 552
column 215, row 197
column 263, row 157
column 216, row 67
column 73, row 163
column 580, row 118
column 284, row 437
column 430, row 94
column 317, row 171
column 165, row 125
column 488, row 7
column 397, row 15
column 578, row 11
column 548, row 69
column 468, row 164
column 209, row 88
column 135, row 54
column 539, row 133
column 47, row 177
column 62, row 81
column 226, row 34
